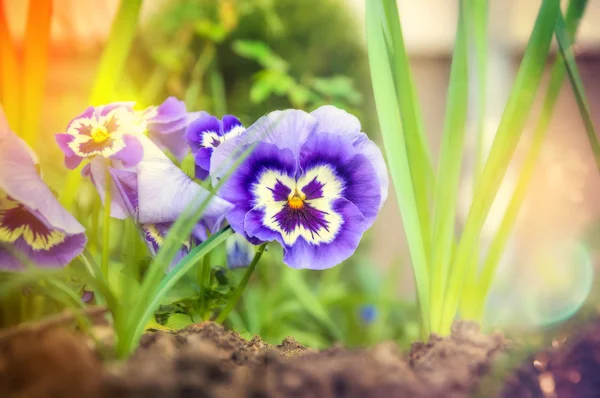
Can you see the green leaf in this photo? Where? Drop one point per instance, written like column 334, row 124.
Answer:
column 566, row 49
column 509, row 131
column 294, row 281
column 449, row 167
column 574, row 14
column 417, row 147
column 388, row 111
column 116, row 50
column 178, row 321
column 261, row 53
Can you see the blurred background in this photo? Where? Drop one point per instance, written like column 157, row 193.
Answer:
column 247, row 57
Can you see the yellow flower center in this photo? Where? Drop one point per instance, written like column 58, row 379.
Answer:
column 296, row 200
column 99, row 134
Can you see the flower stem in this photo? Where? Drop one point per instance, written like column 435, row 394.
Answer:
column 237, row 293
column 106, row 230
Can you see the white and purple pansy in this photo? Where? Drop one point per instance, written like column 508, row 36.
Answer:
column 167, row 125
column 205, row 134
column 109, row 131
column 313, row 182
column 32, row 222
column 155, row 192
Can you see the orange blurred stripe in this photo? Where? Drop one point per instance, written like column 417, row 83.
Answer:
column 9, row 74
column 35, row 65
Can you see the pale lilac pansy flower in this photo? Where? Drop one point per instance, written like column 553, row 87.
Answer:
column 208, row 132
column 32, row 222
column 155, row 192
column 313, row 182
column 167, row 124
column 110, row 131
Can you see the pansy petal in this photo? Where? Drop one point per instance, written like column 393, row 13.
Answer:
column 305, row 255
column 203, row 125
column 118, row 207
column 232, row 125
column 133, row 152
column 337, row 121
column 106, row 109
column 255, row 228
column 27, row 187
column 165, row 191
column 202, row 158
column 360, row 181
column 287, row 129
column 174, row 143
column 364, row 145
column 63, row 141
column 58, row 256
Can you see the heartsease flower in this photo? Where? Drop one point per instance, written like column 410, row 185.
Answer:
column 240, row 252
column 108, row 131
column 167, row 124
column 32, row 222
column 205, row 134
column 313, row 182
column 155, row 192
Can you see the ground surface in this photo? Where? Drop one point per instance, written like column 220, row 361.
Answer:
column 206, row 361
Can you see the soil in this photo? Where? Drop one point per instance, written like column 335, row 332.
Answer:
column 207, row 361
column 569, row 369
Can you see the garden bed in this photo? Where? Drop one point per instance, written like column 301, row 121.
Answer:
column 208, row 361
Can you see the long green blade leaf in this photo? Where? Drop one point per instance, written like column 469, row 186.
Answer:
column 508, row 135
column 574, row 14
column 449, row 167
column 177, row 273
column 566, row 49
column 116, row 51
column 395, row 148
column 417, row 148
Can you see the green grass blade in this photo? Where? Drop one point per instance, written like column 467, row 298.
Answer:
column 574, row 14
column 477, row 15
column 116, row 51
column 177, row 273
column 566, row 49
column 507, row 136
column 449, row 167
column 295, row 282
column 388, row 112
column 417, row 147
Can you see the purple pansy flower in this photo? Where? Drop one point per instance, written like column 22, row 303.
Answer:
column 108, row 131
column 313, row 182
column 205, row 134
column 32, row 222
column 154, row 193
column 167, row 125
column 240, row 252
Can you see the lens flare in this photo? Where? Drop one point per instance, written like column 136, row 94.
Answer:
column 547, row 288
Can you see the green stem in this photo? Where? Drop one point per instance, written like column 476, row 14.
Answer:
column 238, row 291
column 106, row 231
column 203, row 275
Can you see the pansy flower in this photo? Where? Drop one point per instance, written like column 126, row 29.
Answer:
column 313, row 182
column 32, row 222
column 109, row 131
column 154, row 193
column 240, row 252
column 167, row 125
column 205, row 134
